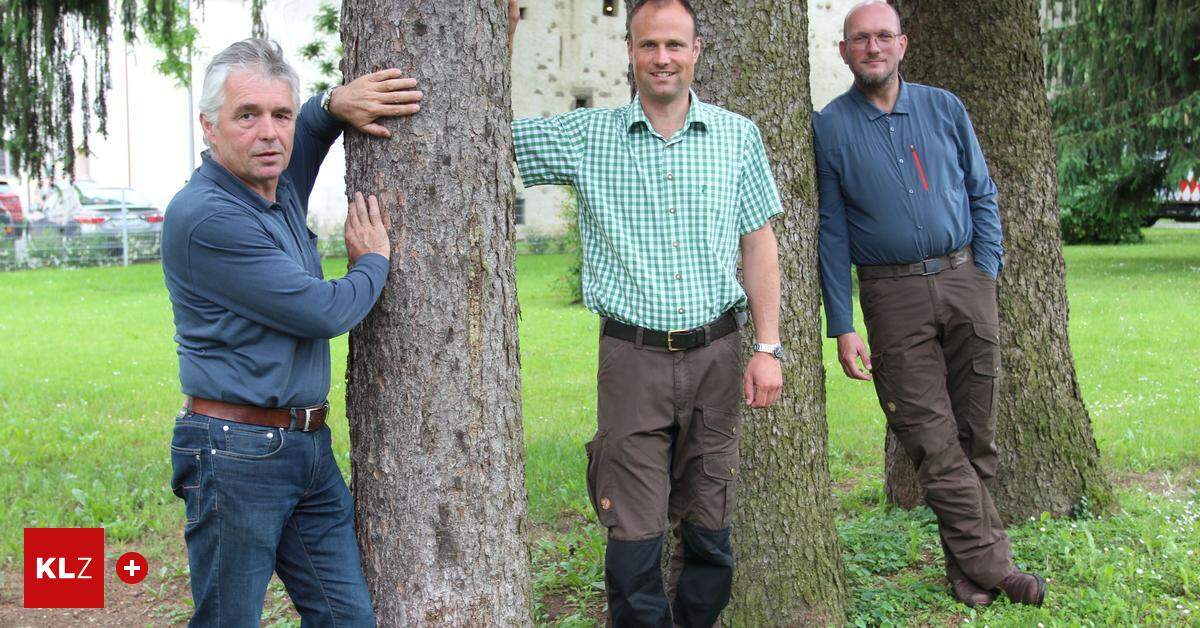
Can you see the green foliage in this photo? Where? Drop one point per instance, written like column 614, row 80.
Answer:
column 1126, row 106
column 39, row 42
column 105, row 399
column 573, row 247
column 326, row 50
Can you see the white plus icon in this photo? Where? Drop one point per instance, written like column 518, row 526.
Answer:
column 132, row 568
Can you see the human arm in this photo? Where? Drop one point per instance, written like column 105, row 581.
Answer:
column 514, row 16
column 763, row 380
column 549, row 151
column 986, row 238
column 233, row 261
column 833, row 256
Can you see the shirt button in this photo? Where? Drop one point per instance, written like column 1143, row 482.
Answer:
column 672, row 210
column 910, row 191
column 901, row 160
column 669, row 176
column 920, row 228
column 678, row 276
column 675, row 244
column 681, row 310
column 891, row 129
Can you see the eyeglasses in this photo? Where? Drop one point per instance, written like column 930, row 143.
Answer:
column 862, row 40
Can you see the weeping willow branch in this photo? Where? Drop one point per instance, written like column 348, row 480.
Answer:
column 40, row 40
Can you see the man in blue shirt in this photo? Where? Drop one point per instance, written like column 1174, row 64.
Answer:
column 251, row 454
column 906, row 197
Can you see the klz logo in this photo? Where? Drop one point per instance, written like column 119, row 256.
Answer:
column 64, row 567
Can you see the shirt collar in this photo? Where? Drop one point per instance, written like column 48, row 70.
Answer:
column 210, row 168
column 871, row 111
column 697, row 114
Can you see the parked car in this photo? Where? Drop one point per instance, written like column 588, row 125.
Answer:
column 12, row 215
column 1181, row 203
column 85, row 207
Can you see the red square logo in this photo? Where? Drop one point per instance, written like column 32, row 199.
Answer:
column 64, row 567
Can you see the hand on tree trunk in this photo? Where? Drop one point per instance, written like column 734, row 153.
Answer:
column 383, row 94
column 366, row 228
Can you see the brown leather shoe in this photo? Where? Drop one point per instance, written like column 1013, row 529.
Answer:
column 1024, row 588
column 970, row 594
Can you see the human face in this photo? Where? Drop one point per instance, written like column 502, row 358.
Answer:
column 663, row 49
column 252, row 137
column 872, row 62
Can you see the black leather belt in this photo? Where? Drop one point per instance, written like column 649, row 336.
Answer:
column 676, row 339
column 931, row 266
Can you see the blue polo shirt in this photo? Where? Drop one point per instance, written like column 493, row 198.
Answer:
column 898, row 188
column 253, row 313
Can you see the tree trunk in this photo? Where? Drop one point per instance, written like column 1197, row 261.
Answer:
column 790, row 570
column 1048, row 457
column 900, row 478
column 433, row 395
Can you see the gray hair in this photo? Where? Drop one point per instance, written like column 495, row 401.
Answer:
column 262, row 55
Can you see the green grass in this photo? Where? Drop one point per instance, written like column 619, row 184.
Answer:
column 88, row 392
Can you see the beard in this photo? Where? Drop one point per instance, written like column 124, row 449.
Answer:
column 873, row 82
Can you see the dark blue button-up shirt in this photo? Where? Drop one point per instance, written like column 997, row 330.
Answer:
column 899, row 187
column 253, row 313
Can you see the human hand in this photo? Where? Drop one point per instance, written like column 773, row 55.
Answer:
column 763, row 380
column 514, row 16
column 363, row 101
column 366, row 228
column 850, row 350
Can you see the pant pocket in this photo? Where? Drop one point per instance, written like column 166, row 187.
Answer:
column 186, row 472
column 716, row 492
column 986, row 367
column 597, row 480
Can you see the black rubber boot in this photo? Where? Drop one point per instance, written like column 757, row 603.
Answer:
column 633, row 574
column 706, row 578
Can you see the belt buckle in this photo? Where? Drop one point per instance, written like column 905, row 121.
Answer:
column 671, row 339
column 925, row 267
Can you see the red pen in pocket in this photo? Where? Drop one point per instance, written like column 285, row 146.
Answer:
column 920, row 170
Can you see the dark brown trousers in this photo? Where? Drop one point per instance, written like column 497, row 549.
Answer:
column 665, row 456
column 934, row 358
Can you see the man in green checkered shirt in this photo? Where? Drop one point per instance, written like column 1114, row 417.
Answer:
column 671, row 190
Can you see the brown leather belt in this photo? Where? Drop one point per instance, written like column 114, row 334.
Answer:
column 931, row 266
column 302, row 419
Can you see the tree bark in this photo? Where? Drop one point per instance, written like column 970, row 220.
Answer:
column 433, row 396
column 790, row 571
column 1048, row 457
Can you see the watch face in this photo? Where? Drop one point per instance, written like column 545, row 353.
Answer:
column 778, row 352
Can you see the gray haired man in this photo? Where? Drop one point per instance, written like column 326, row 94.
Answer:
column 250, row 453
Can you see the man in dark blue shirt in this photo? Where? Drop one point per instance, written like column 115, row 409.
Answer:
column 906, row 197
column 251, row 454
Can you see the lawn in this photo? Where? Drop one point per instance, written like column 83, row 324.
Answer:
column 88, row 392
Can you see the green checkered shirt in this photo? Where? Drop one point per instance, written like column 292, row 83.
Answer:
column 660, row 219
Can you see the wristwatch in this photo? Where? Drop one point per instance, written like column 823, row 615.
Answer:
column 774, row 349
column 326, row 98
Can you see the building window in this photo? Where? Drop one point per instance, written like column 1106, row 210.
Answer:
column 4, row 164
column 582, row 102
column 521, row 12
column 610, row 8
column 519, row 210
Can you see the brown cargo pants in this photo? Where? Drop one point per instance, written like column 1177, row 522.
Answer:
column 666, row 454
column 934, row 358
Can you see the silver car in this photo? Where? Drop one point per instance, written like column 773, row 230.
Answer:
column 85, row 207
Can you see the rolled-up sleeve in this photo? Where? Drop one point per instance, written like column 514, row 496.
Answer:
column 234, row 262
column 986, row 238
column 549, row 150
column 758, row 198
column 833, row 246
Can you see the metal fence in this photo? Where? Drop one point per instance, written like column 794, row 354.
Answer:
column 51, row 248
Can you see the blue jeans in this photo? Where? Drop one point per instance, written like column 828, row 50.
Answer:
column 260, row 500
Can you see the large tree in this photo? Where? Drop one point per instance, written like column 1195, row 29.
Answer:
column 790, row 570
column 1126, row 97
column 433, row 396
column 1048, row 457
